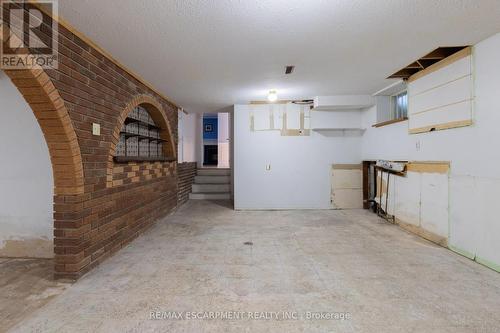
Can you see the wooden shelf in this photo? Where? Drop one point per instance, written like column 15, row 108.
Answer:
column 126, row 159
column 141, row 137
column 136, row 121
column 388, row 122
column 151, row 136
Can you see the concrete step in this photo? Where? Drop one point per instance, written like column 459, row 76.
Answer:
column 210, row 188
column 210, row 196
column 212, row 180
column 213, row 172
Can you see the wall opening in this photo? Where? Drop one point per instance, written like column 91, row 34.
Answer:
column 26, row 181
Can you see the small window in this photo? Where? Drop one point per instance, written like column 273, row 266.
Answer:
column 399, row 106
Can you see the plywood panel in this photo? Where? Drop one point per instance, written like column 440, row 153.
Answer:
column 434, row 203
column 463, row 229
column 347, row 184
column 347, row 199
column 446, row 74
column 451, row 93
column 293, row 118
column 443, row 98
column 347, row 179
column 446, row 114
column 407, row 198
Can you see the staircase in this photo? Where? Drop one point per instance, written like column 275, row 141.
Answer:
column 211, row 184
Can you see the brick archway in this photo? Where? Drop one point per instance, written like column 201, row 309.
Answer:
column 67, row 167
column 53, row 118
column 160, row 118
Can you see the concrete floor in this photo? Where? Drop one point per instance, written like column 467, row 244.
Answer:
column 347, row 263
column 25, row 286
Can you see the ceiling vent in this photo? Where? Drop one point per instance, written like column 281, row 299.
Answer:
column 289, row 69
column 429, row 59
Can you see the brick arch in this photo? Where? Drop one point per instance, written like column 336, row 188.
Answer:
column 53, row 118
column 160, row 118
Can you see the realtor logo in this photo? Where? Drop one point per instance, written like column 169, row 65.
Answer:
column 28, row 34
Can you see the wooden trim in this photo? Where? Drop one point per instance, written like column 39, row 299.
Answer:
column 428, row 167
column 389, row 122
column 443, row 63
column 419, row 231
column 94, row 45
column 439, row 127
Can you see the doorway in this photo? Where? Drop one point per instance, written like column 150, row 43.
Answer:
column 216, row 140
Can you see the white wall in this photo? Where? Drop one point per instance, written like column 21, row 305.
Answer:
column 461, row 205
column 300, row 165
column 223, row 140
column 189, row 137
column 474, row 180
column 26, row 181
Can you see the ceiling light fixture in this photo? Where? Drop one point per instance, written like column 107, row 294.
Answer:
column 272, row 96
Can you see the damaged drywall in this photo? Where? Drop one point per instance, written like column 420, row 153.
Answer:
column 474, row 181
column 347, row 188
column 418, row 201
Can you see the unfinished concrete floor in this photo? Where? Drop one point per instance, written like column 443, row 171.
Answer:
column 25, row 286
column 320, row 261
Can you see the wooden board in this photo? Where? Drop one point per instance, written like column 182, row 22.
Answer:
column 347, row 186
column 441, row 97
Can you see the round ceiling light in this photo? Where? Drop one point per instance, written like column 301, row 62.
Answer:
column 272, row 96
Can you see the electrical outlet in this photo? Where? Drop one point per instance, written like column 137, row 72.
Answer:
column 417, row 145
column 96, row 129
column 268, row 167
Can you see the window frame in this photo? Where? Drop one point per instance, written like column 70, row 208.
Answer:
column 395, row 107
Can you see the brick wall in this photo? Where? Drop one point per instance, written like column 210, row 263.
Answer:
column 186, row 173
column 99, row 206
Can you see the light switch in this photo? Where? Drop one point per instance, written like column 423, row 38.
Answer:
column 96, row 129
column 268, row 167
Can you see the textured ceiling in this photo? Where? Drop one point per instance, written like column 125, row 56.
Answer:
column 208, row 54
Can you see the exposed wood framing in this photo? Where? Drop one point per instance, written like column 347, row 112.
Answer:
column 467, row 51
column 427, row 61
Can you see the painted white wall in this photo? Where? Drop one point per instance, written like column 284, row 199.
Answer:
column 474, row 180
column 223, row 139
column 189, row 133
column 460, row 206
column 300, row 165
column 26, row 180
